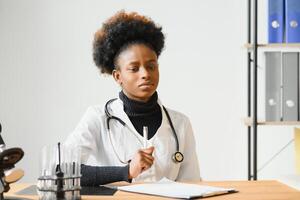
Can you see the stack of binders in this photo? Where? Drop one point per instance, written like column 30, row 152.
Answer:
column 284, row 21
column 282, row 86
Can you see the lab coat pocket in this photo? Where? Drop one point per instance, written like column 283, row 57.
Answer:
column 165, row 144
column 165, row 166
column 164, row 147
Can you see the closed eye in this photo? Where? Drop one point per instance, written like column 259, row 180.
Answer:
column 133, row 68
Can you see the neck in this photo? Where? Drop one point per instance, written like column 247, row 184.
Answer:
column 136, row 98
column 143, row 113
column 134, row 107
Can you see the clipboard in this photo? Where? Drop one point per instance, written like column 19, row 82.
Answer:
column 169, row 188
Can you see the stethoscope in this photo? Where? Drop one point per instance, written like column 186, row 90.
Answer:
column 177, row 157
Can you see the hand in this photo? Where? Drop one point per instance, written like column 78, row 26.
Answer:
column 140, row 162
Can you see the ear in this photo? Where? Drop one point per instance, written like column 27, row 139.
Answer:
column 117, row 76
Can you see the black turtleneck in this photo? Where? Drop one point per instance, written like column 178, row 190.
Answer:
column 143, row 113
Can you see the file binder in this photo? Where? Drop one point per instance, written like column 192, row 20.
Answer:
column 273, row 86
column 276, row 21
column 292, row 9
column 290, row 86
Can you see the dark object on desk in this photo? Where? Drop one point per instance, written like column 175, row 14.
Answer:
column 8, row 158
column 100, row 190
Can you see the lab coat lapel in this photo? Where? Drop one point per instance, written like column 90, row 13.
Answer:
column 164, row 140
column 124, row 138
column 118, row 111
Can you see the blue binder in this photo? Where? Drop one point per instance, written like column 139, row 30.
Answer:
column 292, row 8
column 276, row 21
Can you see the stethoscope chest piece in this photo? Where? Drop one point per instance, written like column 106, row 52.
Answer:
column 177, row 157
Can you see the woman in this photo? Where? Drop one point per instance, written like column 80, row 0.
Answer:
column 111, row 136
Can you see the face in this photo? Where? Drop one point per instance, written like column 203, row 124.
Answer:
column 137, row 72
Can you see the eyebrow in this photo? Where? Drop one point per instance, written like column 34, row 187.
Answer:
column 137, row 62
column 133, row 62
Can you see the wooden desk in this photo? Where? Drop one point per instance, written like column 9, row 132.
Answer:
column 248, row 190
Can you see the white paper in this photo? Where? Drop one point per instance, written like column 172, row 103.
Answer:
column 168, row 188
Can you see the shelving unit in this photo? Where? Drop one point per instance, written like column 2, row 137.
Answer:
column 252, row 67
column 252, row 161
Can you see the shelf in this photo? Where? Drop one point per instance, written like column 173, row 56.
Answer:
column 276, row 47
column 248, row 122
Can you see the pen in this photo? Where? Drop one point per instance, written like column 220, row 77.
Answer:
column 145, row 135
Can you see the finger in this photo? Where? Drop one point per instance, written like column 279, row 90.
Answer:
column 146, row 164
column 147, row 161
column 148, row 150
column 145, row 155
column 140, row 156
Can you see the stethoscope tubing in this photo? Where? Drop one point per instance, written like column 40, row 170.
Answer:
column 172, row 127
column 109, row 117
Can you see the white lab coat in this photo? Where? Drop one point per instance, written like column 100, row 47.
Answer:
column 96, row 149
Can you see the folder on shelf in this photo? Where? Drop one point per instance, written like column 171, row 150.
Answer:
column 273, row 86
column 290, row 65
column 276, row 21
column 292, row 10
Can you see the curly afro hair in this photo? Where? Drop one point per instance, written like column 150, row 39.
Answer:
column 121, row 30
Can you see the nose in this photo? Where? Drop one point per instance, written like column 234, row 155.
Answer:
column 145, row 74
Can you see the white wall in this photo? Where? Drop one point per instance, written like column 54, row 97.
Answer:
column 48, row 79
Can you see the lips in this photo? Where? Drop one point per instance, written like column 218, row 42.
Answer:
column 146, row 85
